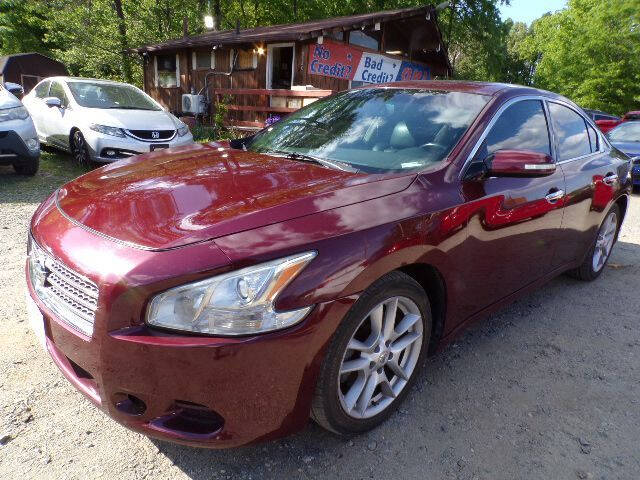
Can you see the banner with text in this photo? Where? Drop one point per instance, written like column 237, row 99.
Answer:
column 338, row 60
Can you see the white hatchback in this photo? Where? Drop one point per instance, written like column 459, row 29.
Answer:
column 101, row 120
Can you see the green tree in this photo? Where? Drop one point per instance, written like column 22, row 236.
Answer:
column 590, row 52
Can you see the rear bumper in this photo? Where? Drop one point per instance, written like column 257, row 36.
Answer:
column 201, row 391
column 13, row 149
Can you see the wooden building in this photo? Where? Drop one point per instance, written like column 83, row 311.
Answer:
column 275, row 70
column 27, row 69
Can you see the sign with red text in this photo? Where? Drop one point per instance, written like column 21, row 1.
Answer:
column 337, row 60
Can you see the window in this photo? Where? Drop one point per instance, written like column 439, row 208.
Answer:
column 573, row 140
column 247, row 60
column 167, row 73
column 203, row 60
column 375, row 130
column 362, row 39
column 57, row 91
column 593, row 139
column 42, row 89
column 522, row 126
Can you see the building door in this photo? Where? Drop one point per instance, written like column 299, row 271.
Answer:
column 280, row 66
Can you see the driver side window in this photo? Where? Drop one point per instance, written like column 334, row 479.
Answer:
column 522, row 126
column 42, row 90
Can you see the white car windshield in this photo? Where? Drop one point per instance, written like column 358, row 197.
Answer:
column 105, row 95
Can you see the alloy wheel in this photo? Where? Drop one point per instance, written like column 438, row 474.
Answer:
column 604, row 241
column 380, row 357
column 79, row 149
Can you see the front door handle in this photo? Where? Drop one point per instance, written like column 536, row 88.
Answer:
column 610, row 179
column 554, row 196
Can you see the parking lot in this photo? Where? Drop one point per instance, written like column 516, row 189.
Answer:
column 548, row 388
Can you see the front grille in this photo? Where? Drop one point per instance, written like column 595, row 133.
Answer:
column 152, row 135
column 71, row 296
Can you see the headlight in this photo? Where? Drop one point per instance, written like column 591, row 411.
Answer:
column 235, row 303
column 183, row 129
column 15, row 113
column 113, row 131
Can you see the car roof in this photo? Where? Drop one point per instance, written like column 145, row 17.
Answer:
column 464, row 86
column 633, row 112
column 88, row 80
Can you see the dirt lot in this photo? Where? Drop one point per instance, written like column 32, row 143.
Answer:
column 549, row 388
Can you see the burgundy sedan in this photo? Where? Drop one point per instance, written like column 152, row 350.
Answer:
column 223, row 294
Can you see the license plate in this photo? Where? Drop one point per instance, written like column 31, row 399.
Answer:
column 159, row 146
column 36, row 320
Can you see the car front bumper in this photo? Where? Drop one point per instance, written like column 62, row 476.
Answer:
column 13, row 147
column 200, row 391
column 123, row 147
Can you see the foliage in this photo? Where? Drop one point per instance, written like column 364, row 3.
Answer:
column 590, row 52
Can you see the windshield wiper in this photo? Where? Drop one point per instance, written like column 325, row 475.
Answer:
column 304, row 157
column 127, row 107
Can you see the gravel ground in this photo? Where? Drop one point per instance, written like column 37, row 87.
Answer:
column 548, row 388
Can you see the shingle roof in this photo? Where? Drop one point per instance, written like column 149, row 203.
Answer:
column 291, row 31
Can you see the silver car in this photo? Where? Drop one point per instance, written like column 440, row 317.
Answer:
column 19, row 144
column 101, row 120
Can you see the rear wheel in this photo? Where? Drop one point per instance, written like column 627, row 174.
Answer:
column 79, row 149
column 374, row 357
column 28, row 166
column 600, row 251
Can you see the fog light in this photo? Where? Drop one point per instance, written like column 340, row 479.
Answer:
column 33, row 144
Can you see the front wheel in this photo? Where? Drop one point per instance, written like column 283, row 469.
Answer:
column 601, row 248
column 27, row 167
column 80, row 149
column 374, row 357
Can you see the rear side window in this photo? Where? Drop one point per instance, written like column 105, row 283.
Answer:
column 522, row 126
column 571, row 130
column 42, row 90
column 593, row 139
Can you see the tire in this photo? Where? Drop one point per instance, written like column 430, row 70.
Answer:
column 337, row 405
column 79, row 149
column 601, row 248
column 28, row 166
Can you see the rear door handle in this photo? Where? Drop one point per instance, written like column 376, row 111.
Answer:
column 610, row 179
column 554, row 196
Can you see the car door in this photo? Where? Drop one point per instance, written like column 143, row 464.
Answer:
column 592, row 174
column 57, row 126
column 37, row 108
column 513, row 222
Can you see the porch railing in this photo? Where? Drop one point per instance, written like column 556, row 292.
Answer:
column 264, row 101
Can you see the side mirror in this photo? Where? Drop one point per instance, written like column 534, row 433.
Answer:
column 519, row 163
column 52, row 102
column 15, row 89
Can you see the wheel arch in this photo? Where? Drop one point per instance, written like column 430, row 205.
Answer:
column 623, row 203
column 433, row 283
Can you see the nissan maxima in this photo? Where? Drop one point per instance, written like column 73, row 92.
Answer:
column 100, row 120
column 223, row 294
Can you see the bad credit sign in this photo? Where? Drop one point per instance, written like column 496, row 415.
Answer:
column 337, row 60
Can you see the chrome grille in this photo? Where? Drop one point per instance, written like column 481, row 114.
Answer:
column 72, row 297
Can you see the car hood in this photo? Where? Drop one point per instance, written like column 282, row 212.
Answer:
column 8, row 100
column 630, row 148
column 131, row 119
column 189, row 194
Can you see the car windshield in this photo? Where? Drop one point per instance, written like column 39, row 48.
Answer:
column 108, row 95
column 374, row 130
column 627, row 132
